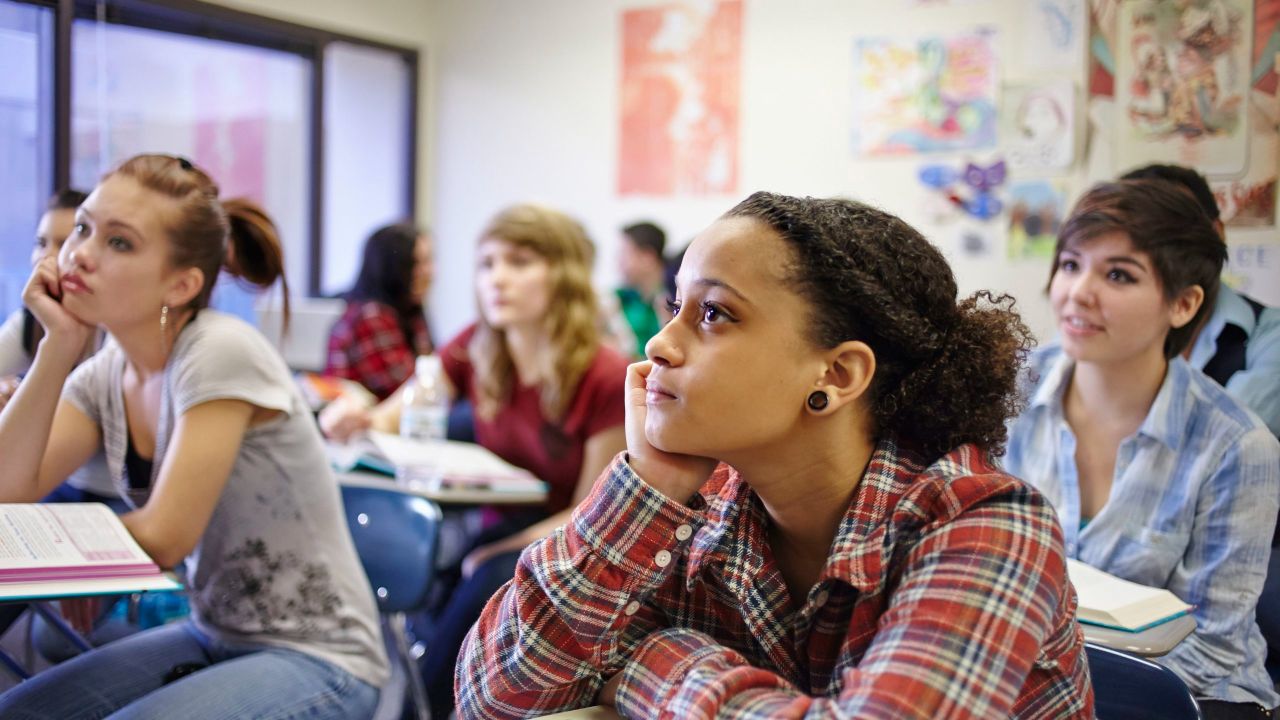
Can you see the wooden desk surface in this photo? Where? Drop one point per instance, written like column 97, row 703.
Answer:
column 446, row 494
column 1152, row 642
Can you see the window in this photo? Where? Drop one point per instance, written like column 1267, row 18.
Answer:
column 26, row 139
column 239, row 112
column 244, row 97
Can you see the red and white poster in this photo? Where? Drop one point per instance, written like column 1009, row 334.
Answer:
column 680, row 98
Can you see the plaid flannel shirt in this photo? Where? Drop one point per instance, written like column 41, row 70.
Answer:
column 368, row 346
column 944, row 596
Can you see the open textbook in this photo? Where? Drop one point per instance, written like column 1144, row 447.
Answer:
column 459, row 464
column 1109, row 601
column 66, row 549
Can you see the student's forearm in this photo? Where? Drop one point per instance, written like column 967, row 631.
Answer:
column 25, row 423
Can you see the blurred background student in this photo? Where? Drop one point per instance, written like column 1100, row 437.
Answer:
column 547, row 396
column 641, row 301
column 384, row 327
column 1158, row 475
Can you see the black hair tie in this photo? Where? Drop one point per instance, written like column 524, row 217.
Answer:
column 185, row 163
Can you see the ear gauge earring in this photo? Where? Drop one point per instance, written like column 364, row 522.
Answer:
column 817, row 401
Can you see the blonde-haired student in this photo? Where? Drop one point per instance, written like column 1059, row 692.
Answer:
column 546, row 393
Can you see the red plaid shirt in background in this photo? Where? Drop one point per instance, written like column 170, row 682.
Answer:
column 945, row 596
column 368, row 346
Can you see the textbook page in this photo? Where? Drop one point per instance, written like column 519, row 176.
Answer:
column 1107, row 600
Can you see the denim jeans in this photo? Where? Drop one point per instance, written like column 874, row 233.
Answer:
column 141, row 677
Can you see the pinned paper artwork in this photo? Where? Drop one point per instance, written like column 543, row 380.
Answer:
column 1035, row 215
column 926, row 94
column 971, row 188
column 1057, row 30
column 681, row 67
column 1182, row 83
column 1039, row 126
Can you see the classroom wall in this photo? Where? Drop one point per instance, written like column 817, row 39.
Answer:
column 526, row 107
column 407, row 23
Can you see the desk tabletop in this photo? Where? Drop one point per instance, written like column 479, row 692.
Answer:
column 446, row 494
column 1152, row 642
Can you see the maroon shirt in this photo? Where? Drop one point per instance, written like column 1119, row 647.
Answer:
column 519, row 432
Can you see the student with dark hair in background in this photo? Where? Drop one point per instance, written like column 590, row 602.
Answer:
column 384, row 327
column 216, row 452
column 1237, row 343
column 807, row 521
column 1158, row 475
column 642, row 297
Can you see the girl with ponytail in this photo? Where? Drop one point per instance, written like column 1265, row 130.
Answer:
column 214, row 450
column 807, row 521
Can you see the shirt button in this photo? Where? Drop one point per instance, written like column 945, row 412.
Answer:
column 632, row 607
column 663, row 558
column 821, row 598
column 684, row 532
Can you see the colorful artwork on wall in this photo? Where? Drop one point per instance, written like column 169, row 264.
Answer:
column 1035, row 213
column 681, row 67
column 1182, row 83
column 927, row 94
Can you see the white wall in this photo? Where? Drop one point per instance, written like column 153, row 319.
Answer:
column 527, row 109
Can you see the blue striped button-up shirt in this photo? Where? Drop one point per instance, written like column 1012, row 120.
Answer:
column 1192, row 508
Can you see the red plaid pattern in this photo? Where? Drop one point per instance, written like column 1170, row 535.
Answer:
column 945, row 596
column 368, row 346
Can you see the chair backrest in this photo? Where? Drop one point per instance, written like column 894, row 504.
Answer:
column 395, row 534
column 1127, row 688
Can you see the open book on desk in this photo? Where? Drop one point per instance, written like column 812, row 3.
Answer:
column 1111, row 602
column 459, row 464
column 66, row 549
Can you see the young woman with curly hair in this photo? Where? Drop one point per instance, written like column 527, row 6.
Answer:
column 1158, row 475
column 807, row 520
column 547, row 397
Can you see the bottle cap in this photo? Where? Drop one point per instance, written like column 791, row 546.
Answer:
column 427, row 366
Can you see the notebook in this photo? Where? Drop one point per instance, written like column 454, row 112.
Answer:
column 460, row 464
column 1112, row 602
column 66, row 549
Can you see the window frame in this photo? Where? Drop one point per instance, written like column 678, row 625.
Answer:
column 217, row 22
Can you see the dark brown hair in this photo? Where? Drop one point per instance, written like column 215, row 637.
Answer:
column 946, row 372
column 208, row 234
column 1166, row 222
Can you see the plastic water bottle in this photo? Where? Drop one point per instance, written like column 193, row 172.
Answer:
column 424, row 414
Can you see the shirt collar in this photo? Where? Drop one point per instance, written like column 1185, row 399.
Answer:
column 1228, row 309
column 1054, row 383
column 1170, row 412
column 857, row 555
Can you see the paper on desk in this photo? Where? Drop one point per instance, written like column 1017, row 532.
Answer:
column 458, row 462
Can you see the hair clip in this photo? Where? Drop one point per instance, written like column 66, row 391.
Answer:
column 185, row 163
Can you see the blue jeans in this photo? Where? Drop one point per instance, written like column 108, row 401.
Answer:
column 141, row 677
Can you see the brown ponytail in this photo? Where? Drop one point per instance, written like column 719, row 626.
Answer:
column 207, row 233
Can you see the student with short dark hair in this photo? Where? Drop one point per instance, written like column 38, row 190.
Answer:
column 642, row 297
column 215, row 451
column 1158, row 475
column 1237, row 342
column 807, row 521
column 384, row 328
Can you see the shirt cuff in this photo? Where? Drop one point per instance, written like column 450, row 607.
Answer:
column 631, row 525
column 653, row 677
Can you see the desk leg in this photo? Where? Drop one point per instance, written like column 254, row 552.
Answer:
column 54, row 618
column 13, row 666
